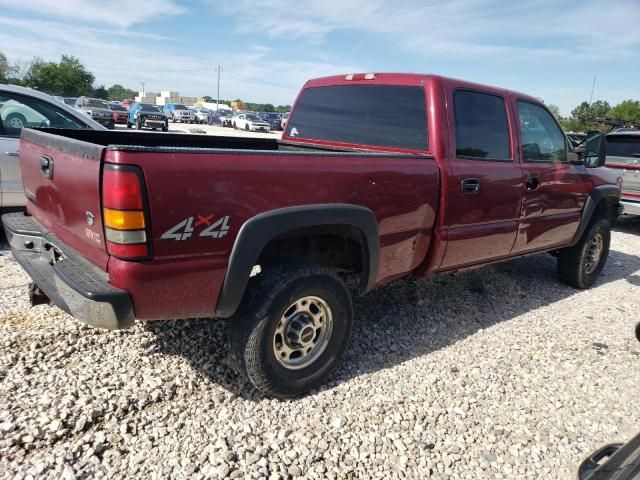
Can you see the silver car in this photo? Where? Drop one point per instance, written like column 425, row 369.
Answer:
column 623, row 154
column 23, row 107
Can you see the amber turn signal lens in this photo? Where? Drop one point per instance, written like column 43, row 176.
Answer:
column 123, row 219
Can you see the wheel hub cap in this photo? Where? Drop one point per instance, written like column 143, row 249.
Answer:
column 594, row 253
column 303, row 333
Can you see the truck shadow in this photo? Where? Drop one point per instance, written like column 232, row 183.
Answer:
column 404, row 320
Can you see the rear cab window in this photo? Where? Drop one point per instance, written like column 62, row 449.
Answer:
column 622, row 145
column 390, row 116
column 482, row 127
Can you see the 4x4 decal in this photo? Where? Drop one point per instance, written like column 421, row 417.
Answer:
column 186, row 228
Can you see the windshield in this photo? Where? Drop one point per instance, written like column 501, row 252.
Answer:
column 380, row 115
column 225, row 113
column 623, row 145
column 147, row 107
column 95, row 103
column 180, row 107
column 118, row 108
column 253, row 118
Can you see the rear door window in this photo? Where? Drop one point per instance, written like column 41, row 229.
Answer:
column 372, row 115
column 623, row 145
column 482, row 129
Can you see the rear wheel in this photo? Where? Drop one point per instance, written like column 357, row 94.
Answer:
column 165, row 127
column 292, row 329
column 246, row 127
column 15, row 121
column 139, row 124
column 581, row 265
column 128, row 124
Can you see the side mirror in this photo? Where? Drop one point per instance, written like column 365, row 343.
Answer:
column 595, row 150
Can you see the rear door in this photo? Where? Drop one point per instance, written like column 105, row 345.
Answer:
column 555, row 190
column 484, row 186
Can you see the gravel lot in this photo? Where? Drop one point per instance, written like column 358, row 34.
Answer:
column 497, row 373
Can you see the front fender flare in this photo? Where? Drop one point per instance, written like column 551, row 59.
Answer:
column 258, row 231
column 595, row 197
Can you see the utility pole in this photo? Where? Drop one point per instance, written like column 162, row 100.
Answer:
column 592, row 87
column 219, row 69
column 142, row 83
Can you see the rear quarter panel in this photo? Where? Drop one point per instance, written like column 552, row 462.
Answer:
column 402, row 192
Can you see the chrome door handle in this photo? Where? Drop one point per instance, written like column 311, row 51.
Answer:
column 470, row 186
column 12, row 154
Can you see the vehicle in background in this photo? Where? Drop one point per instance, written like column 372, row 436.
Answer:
column 120, row 113
column 20, row 107
column 222, row 117
column 127, row 102
column 202, row 114
column 71, row 101
column 97, row 109
column 177, row 112
column 433, row 175
column 273, row 119
column 576, row 138
column 623, row 155
column 58, row 98
column 250, row 122
column 283, row 121
column 146, row 115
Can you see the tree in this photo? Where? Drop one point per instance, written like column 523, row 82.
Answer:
column 101, row 92
column 586, row 113
column 555, row 110
column 8, row 72
column 67, row 78
column 208, row 99
column 627, row 111
column 283, row 108
column 118, row 92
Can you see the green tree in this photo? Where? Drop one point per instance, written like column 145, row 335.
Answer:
column 67, row 78
column 555, row 110
column 627, row 111
column 101, row 92
column 8, row 73
column 208, row 99
column 283, row 108
column 118, row 92
column 585, row 114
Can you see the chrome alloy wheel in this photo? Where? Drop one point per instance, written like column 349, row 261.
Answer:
column 594, row 253
column 303, row 333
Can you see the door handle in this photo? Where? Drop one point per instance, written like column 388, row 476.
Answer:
column 531, row 182
column 46, row 166
column 470, row 186
column 12, row 154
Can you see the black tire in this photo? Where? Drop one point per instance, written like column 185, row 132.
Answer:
column 139, row 124
column 253, row 330
column 165, row 127
column 246, row 127
column 577, row 265
column 128, row 124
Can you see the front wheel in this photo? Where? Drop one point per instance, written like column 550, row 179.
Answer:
column 581, row 265
column 128, row 124
column 292, row 329
column 139, row 124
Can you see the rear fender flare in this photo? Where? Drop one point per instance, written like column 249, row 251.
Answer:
column 258, row 231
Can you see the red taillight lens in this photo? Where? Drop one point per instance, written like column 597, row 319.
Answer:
column 121, row 189
column 123, row 215
column 115, row 115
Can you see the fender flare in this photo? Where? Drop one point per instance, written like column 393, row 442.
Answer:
column 595, row 197
column 258, row 231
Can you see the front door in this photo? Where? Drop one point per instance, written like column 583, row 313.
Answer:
column 555, row 190
column 484, row 185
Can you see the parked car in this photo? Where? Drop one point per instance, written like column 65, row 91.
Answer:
column 283, row 120
column 189, row 227
column 177, row 112
column 250, row 121
column 222, row 117
column 146, row 115
column 24, row 107
column 623, row 155
column 97, row 109
column 120, row 113
column 273, row 119
column 202, row 115
column 576, row 138
column 71, row 101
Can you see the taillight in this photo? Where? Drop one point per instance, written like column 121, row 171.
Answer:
column 115, row 115
column 125, row 220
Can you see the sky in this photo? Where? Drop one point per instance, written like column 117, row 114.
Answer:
column 268, row 48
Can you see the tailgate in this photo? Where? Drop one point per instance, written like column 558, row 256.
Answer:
column 629, row 168
column 61, row 178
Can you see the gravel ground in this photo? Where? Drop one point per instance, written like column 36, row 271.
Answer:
column 496, row 373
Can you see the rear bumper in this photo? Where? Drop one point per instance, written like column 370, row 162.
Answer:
column 630, row 208
column 70, row 282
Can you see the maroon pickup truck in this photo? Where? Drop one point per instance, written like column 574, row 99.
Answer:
column 377, row 177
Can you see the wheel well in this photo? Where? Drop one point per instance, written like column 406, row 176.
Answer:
column 339, row 247
column 607, row 208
